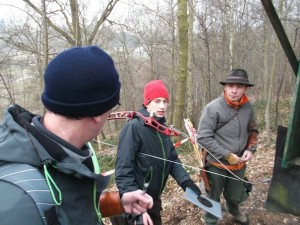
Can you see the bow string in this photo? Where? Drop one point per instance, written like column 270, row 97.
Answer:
column 171, row 131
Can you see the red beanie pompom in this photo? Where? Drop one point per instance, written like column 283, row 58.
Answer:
column 155, row 89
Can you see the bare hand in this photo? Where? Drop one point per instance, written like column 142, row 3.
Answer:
column 247, row 156
column 147, row 219
column 136, row 202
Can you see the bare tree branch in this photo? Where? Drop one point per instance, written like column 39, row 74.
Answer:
column 103, row 17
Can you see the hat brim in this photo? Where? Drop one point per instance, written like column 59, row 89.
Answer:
column 236, row 82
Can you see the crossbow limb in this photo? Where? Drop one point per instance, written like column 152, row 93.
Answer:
column 204, row 185
column 192, row 133
column 150, row 121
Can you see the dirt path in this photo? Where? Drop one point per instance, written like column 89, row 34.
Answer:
column 179, row 211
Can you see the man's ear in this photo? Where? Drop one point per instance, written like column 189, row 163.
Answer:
column 98, row 119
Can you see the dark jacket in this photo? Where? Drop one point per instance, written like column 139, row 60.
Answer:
column 132, row 166
column 23, row 139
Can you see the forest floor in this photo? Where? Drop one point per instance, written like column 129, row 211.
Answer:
column 176, row 210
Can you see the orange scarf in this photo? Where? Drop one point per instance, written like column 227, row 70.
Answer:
column 236, row 105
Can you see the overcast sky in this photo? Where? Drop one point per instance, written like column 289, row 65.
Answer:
column 15, row 8
column 8, row 8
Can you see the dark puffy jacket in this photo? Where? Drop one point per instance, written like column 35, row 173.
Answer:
column 132, row 165
column 23, row 139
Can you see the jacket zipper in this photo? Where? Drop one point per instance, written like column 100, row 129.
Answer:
column 164, row 163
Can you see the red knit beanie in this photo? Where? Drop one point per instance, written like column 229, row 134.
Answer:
column 155, row 89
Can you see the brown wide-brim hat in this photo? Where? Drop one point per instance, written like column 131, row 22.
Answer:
column 237, row 76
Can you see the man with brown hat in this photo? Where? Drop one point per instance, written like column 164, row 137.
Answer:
column 145, row 154
column 228, row 131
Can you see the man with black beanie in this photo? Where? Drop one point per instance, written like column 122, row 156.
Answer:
column 59, row 181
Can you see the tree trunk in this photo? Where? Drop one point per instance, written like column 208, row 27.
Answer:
column 270, row 86
column 75, row 22
column 45, row 47
column 265, row 77
column 231, row 35
column 190, row 52
column 183, row 63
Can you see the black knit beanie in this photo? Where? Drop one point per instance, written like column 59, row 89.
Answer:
column 81, row 82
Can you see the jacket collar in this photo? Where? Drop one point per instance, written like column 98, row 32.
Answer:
column 236, row 105
column 145, row 113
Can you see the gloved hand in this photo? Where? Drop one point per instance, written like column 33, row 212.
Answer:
column 233, row 159
column 190, row 184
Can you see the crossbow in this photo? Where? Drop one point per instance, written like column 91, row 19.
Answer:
column 201, row 201
column 171, row 131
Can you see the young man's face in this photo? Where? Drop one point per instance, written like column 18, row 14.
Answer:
column 235, row 91
column 158, row 106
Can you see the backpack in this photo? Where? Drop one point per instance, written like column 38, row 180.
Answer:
column 32, row 181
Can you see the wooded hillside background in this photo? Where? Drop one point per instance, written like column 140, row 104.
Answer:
column 190, row 44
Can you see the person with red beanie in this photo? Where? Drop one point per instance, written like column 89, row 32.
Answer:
column 135, row 169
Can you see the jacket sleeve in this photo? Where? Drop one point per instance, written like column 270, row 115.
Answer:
column 252, row 133
column 205, row 133
column 252, row 125
column 177, row 171
column 128, row 147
